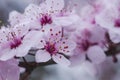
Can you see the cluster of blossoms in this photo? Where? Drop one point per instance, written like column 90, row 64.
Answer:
column 60, row 34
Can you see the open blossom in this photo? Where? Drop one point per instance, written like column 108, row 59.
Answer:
column 9, row 70
column 16, row 41
column 54, row 45
column 58, row 34
column 109, row 17
column 49, row 12
column 89, row 45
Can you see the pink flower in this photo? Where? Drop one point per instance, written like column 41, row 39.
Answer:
column 49, row 12
column 16, row 41
column 109, row 20
column 54, row 45
column 109, row 17
column 9, row 70
column 89, row 45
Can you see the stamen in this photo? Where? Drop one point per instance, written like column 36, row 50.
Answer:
column 46, row 19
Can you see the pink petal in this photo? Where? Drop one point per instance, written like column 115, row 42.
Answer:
column 60, row 59
column 96, row 54
column 114, row 37
column 77, row 58
column 9, row 70
column 94, row 32
column 42, row 56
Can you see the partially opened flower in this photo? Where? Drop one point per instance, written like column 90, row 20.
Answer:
column 49, row 12
column 16, row 41
column 54, row 45
column 9, row 70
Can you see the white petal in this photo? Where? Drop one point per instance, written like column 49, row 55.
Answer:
column 60, row 59
column 23, row 50
column 15, row 17
column 22, row 70
column 55, row 30
column 8, row 54
column 114, row 37
column 66, row 21
column 96, row 54
column 53, row 5
column 33, row 38
column 42, row 56
column 3, row 33
column 28, row 42
column 40, row 45
column 32, row 11
column 71, row 45
column 21, row 29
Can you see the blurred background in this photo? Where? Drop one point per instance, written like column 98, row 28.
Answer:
column 86, row 71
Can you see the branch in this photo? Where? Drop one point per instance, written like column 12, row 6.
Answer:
column 34, row 64
column 114, row 49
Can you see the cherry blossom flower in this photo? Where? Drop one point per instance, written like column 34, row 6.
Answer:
column 58, row 34
column 89, row 45
column 109, row 16
column 49, row 12
column 109, row 20
column 9, row 70
column 16, row 41
column 54, row 45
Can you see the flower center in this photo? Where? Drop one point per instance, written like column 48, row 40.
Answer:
column 85, row 45
column 50, row 48
column 15, row 43
column 46, row 19
column 117, row 23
